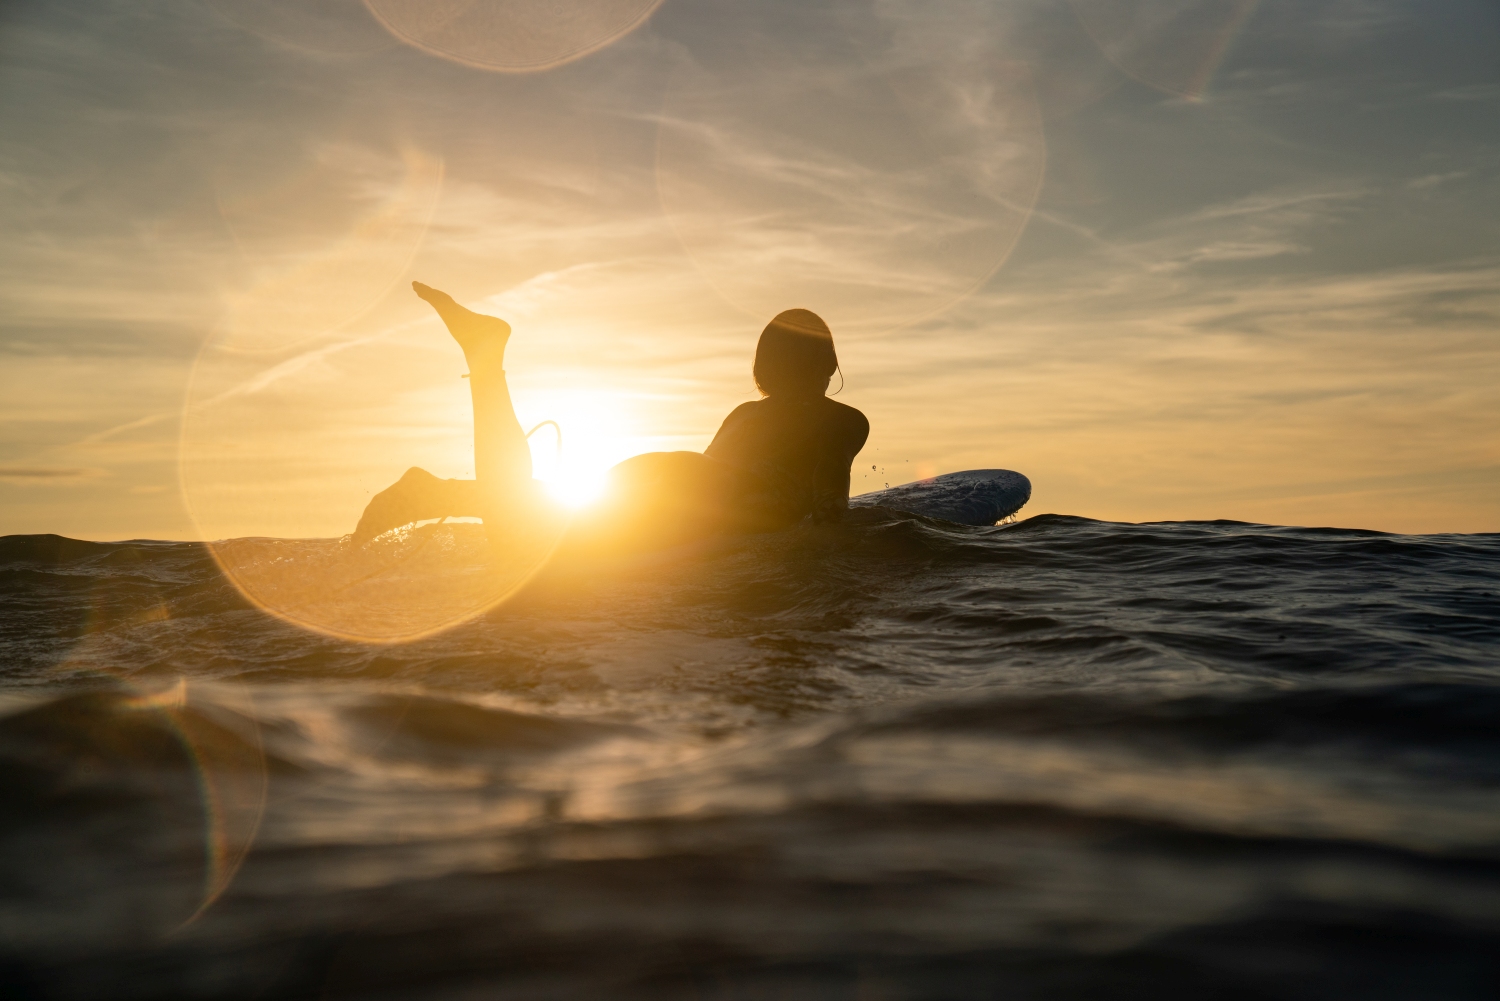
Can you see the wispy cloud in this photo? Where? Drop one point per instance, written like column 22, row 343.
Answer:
column 47, row 474
column 1472, row 92
column 1435, row 180
column 1286, row 285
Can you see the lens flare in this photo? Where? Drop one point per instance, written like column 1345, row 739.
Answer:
column 1066, row 68
column 279, row 456
column 293, row 419
column 121, row 729
column 222, row 739
column 1172, row 45
column 511, row 36
column 309, row 283
column 786, row 187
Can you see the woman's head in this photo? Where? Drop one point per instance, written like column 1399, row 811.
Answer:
column 795, row 356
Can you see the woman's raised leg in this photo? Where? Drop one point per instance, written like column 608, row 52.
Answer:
column 502, row 458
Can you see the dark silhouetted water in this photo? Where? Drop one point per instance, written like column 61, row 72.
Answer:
column 891, row 759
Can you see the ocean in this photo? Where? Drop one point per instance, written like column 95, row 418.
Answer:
column 893, row 758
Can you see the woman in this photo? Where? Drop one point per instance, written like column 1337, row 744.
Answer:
column 774, row 461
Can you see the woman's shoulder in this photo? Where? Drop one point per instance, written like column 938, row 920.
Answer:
column 846, row 414
column 828, row 412
column 744, row 410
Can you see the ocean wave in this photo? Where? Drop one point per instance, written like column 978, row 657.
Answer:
column 896, row 756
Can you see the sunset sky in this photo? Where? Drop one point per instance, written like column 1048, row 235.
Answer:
column 1171, row 259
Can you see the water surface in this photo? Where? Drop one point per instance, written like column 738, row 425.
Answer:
column 890, row 759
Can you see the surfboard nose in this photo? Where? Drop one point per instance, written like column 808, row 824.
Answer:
column 969, row 497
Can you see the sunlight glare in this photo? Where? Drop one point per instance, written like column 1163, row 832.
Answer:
column 594, row 438
column 576, row 488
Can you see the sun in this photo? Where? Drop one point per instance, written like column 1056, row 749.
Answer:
column 573, row 464
column 575, row 488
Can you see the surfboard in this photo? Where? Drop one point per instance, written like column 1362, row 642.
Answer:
column 972, row 497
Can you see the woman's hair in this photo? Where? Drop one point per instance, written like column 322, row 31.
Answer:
column 795, row 356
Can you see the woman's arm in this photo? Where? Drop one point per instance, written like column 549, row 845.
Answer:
column 831, row 478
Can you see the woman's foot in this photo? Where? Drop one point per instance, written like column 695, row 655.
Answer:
column 417, row 496
column 482, row 337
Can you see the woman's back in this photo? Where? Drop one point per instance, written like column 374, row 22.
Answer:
column 798, row 450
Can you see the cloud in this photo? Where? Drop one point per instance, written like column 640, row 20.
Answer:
column 47, row 474
column 1435, row 180
column 1256, row 288
column 1473, row 92
column 874, row 185
column 138, row 423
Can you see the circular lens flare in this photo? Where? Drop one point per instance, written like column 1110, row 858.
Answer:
column 279, row 456
column 306, row 284
column 511, row 36
column 873, row 196
column 223, row 742
column 1172, row 45
column 293, row 419
column 214, row 726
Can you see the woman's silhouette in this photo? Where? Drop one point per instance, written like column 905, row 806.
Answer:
column 774, row 461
